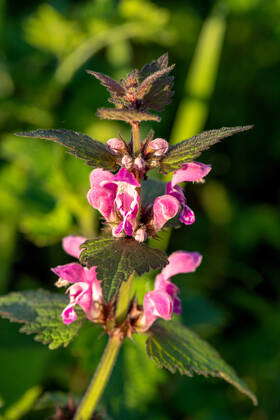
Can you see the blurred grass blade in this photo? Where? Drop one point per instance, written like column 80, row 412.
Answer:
column 199, row 86
column 23, row 405
column 200, row 82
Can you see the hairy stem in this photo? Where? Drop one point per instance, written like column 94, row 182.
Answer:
column 136, row 139
column 99, row 380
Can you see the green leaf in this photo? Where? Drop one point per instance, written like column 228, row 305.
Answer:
column 40, row 311
column 80, row 145
column 175, row 347
column 127, row 115
column 117, row 259
column 151, row 189
column 189, row 149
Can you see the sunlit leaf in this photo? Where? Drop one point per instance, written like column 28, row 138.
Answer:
column 189, row 149
column 39, row 312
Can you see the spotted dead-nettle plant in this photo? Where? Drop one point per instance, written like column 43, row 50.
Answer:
column 100, row 281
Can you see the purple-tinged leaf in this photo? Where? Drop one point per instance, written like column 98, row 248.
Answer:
column 126, row 115
column 111, row 85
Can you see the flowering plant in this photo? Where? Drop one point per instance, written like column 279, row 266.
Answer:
column 134, row 208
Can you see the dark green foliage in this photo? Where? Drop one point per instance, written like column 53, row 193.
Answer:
column 117, row 259
column 80, row 145
column 151, row 189
column 189, row 149
column 176, row 348
column 126, row 115
column 40, row 311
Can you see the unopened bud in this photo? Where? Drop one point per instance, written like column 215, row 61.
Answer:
column 127, row 162
column 139, row 164
column 117, row 145
column 157, row 146
column 140, row 235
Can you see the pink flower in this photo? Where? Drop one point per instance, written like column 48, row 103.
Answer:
column 186, row 215
column 117, row 199
column 193, row 172
column 163, row 301
column 85, row 290
column 71, row 245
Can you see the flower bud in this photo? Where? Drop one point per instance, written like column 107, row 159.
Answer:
column 127, row 162
column 139, row 164
column 116, row 145
column 140, row 234
column 157, row 146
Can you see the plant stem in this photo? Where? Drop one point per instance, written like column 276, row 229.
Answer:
column 136, row 139
column 124, row 299
column 99, row 380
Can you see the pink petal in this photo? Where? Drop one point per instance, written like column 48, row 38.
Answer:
column 193, row 171
column 158, row 146
column 181, row 262
column 165, row 208
column 71, row 245
column 187, row 216
column 69, row 315
column 176, row 192
column 99, row 175
column 72, row 272
column 80, row 294
column 166, row 285
column 157, row 304
column 102, row 199
column 116, row 145
column 177, row 306
column 125, row 176
column 90, row 274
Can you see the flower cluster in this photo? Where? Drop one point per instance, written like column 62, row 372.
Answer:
column 84, row 288
column 117, row 197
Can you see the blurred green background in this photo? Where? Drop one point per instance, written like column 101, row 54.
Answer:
column 227, row 73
